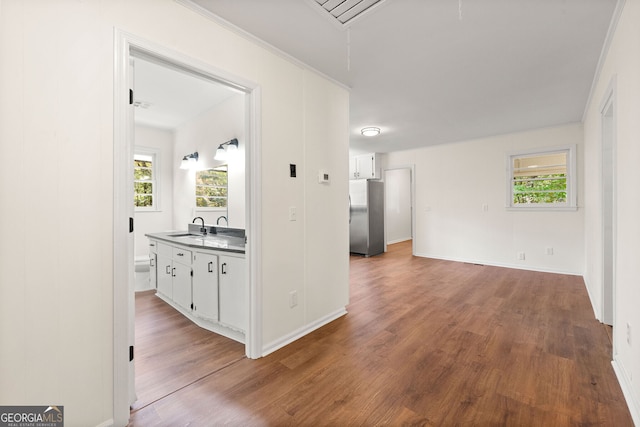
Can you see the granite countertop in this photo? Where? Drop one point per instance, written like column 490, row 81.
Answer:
column 231, row 242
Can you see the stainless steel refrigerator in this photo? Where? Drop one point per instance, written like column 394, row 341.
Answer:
column 366, row 217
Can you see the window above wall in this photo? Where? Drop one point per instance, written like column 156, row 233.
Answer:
column 145, row 183
column 542, row 179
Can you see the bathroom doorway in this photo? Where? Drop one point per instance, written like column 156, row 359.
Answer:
column 128, row 49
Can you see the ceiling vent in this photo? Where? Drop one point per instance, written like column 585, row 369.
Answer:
column 344, row 12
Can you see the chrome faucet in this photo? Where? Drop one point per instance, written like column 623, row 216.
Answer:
column 225, row 220
column 203, row 229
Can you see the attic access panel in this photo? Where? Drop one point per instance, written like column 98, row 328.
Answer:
column 344, row 12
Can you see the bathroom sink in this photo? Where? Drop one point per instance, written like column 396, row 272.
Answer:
column 185, row 235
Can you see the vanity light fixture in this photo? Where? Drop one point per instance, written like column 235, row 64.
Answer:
column 370, row 131
column 222, row 151
column 189, row 161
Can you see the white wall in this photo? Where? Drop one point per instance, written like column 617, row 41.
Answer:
column 454, row 181
column 161, row 219
column 622, row 64
column 56, row 116
column 397, row 205
column 204, row 134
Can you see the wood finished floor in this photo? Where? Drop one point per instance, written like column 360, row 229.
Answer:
column 426, row 342
column 172, row 352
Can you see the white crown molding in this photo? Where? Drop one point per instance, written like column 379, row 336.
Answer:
column 254, row 39
column 613, row 25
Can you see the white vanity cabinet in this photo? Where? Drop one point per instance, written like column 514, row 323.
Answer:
column 365, row 166
column 205, row 285
column 233, row 307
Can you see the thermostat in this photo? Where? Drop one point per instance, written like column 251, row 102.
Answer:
column 323, row 177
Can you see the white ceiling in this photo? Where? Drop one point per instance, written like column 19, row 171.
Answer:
column 167, row 97
column 437, row 71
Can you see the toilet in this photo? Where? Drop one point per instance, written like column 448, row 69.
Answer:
column 141, row 273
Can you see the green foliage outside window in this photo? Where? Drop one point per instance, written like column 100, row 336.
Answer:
column 540, row 189
column 143, row 182
column 211, row 188
column 540, row 178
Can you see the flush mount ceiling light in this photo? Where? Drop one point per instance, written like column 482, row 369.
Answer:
column 225, row 148
column 189, row 161
column 370, row 131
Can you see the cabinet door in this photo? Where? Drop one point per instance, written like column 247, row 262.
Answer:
column 181, row 275
column 164, row 279
column 205, row 286
column 231, row 284
column 153, row 272
column 366, row 166
column 353, row 168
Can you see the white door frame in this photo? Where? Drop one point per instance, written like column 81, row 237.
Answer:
column 412, row 174
column 608, row 203
column 123, row 209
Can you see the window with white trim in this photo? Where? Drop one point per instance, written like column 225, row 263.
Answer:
column 212, row 188
column 145, row 186
column 542, row 179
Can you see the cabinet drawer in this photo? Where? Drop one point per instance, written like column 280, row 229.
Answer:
column 183, row 256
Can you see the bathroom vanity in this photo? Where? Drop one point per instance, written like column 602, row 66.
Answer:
column 202, row 275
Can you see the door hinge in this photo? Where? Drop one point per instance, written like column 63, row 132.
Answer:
column 130, row 353
column 191, row 273
column 130, row 225
column 130, row 96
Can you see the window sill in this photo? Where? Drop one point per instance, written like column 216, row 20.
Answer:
column 211, row 209
column 541, row 208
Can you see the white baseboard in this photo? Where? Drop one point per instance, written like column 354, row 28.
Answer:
column 627, row 391
column 596, row 313
column 299, row 333
column 494, row 264
column 210, row 325
column 391, row 242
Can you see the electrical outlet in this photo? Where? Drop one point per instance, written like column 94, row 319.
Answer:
column 293, row 299
column 628, row 333
column 521, row 256
column 485, row 208
column 292, row 213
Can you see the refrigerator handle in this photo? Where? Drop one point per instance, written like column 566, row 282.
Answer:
column 349, row 208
